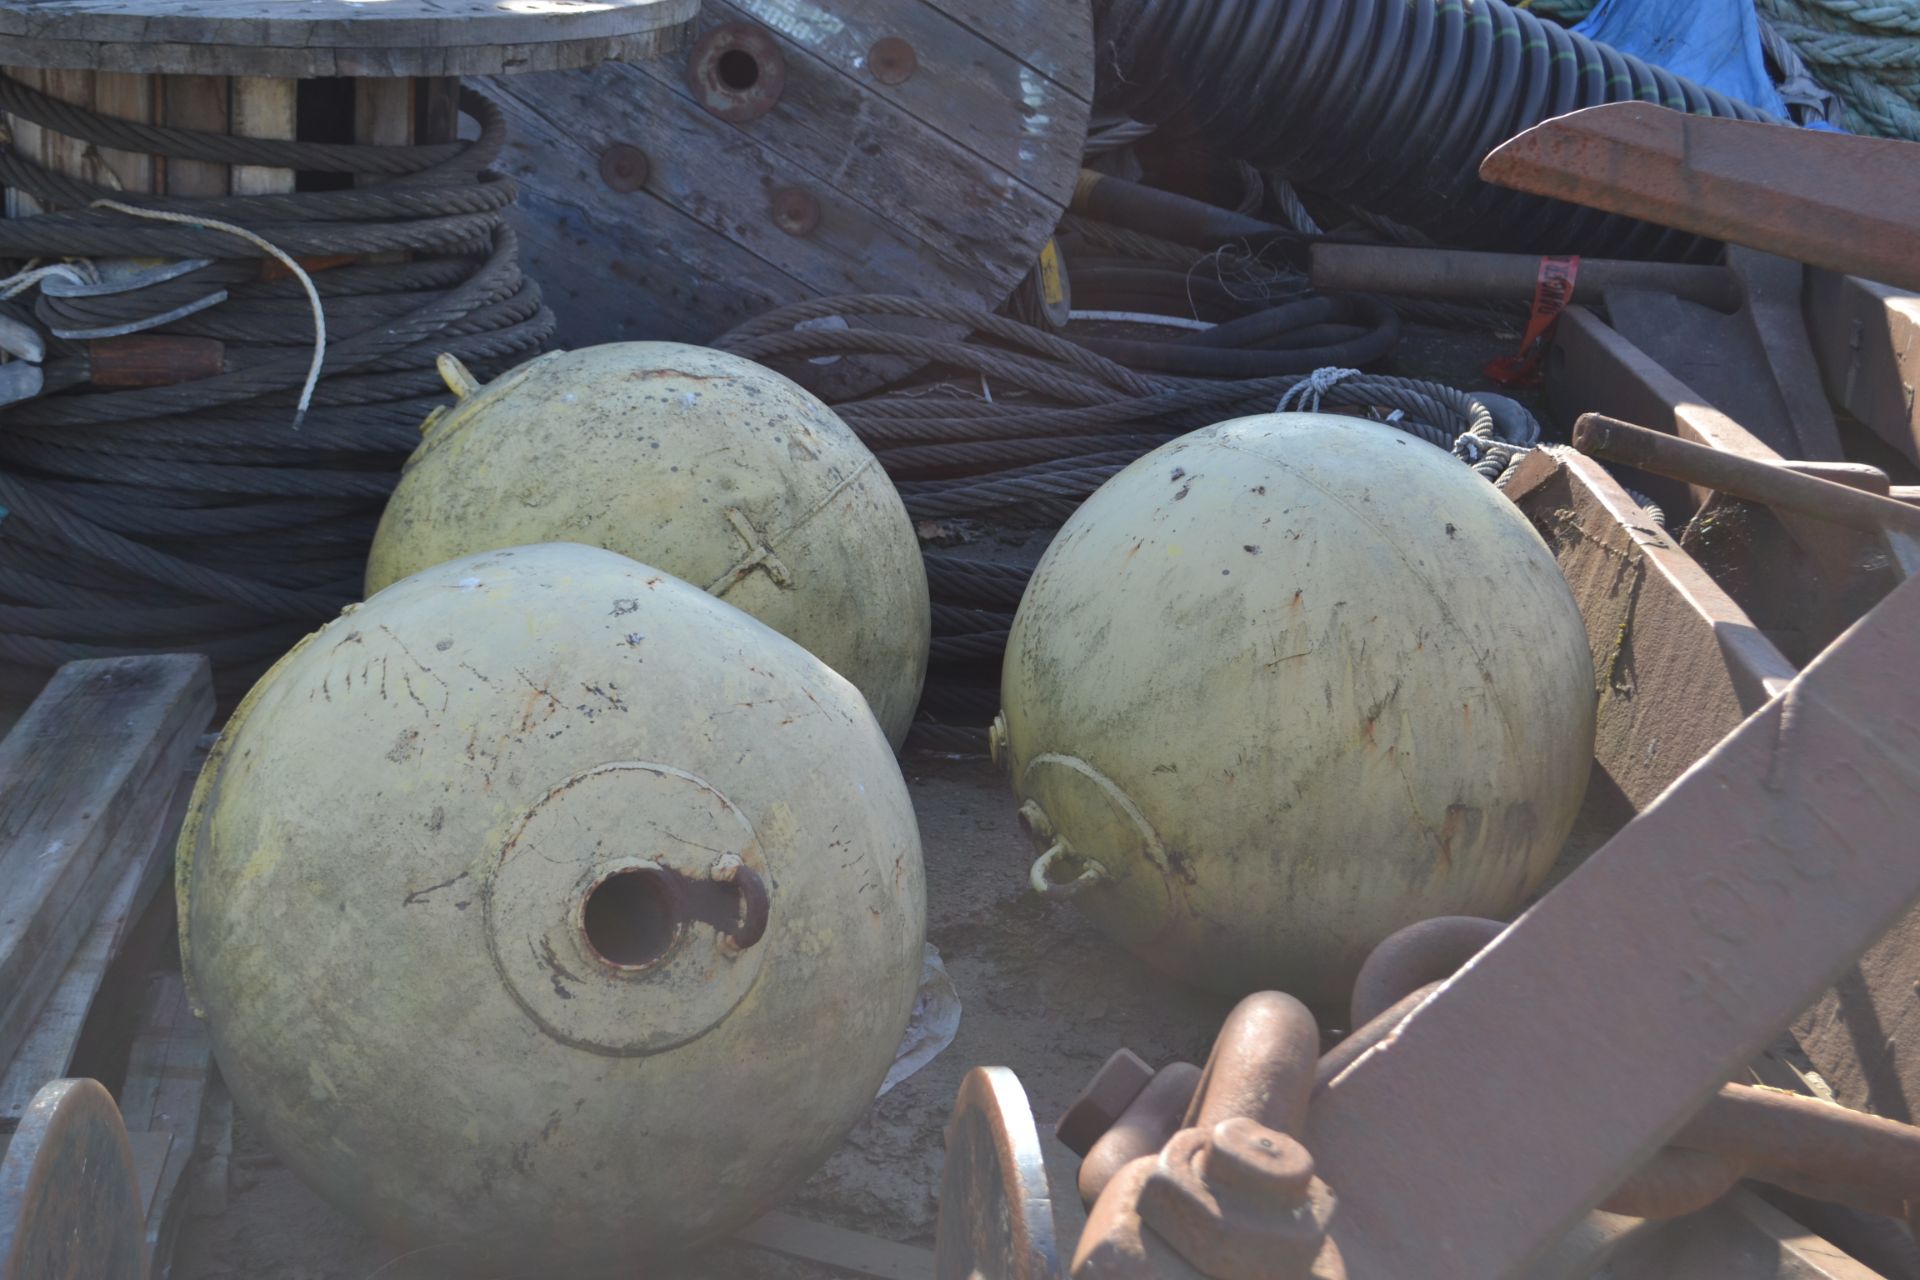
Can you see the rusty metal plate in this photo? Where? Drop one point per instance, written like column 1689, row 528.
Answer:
column 1518, row 1096
column 1864, row 1035
column 797, row 150
column 1754, row 363
column 996, row 1214
column 1677, row 663
column 69, row 1201
column 1847, row 203
column 1593, row 369
column 1866, row 337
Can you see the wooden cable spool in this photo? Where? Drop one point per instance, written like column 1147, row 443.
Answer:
column 238, row 67
column 924, row 147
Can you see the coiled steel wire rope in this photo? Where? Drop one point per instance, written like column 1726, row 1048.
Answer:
column 197, row 516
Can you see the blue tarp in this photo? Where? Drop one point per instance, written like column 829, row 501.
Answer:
column 1715, row 43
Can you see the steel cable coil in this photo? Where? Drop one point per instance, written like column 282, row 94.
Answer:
column 197, row 515
column 1389, row 105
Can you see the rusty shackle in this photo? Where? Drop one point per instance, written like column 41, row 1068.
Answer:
column 1201, row 1173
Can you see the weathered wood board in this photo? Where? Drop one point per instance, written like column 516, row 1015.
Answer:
column 167, row 1076
column 876, row 146
column 84, row 777
column 335, row 37
column 47, row 1050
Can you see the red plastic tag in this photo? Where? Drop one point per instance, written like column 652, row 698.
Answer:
column 1552, row 290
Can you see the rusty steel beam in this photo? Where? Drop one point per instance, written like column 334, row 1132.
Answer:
column 1677, row 664
column 1593, row 369
column 1740, row 1238
column 1515, row 1099
column 1866, row 337
column 1754, row 362
column 1781, row 488
column 1463, row 273
column 1864, row 1035
column 1838, row 201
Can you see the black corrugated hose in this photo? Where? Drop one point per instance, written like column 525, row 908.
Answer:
column 1389, row 105
column 198, row 516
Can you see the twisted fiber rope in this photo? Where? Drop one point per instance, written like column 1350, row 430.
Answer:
column 192, row 515
column 1861, row 49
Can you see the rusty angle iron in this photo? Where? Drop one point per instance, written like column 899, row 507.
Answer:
column 1846, row 203
column 1667, row 960
column 1204, row 1177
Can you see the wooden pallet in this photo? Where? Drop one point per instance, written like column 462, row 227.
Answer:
column 94, row 782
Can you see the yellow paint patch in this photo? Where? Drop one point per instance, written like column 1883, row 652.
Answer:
column 264, row 859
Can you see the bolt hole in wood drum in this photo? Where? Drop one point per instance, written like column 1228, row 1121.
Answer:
column 794, row 149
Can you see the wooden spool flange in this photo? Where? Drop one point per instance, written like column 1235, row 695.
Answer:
column 234, row 66
column 791, row 150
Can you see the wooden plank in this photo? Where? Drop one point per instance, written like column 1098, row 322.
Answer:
column 1062, row 32
column 943, row 184
column 125, row 97
column 721, row 179
column 82, row 776
column 59, row 152
column 646, row 255
column 264, row 107
column 383, row 112
column 853, row 149
column 1866, row 337
column 167, row 1074
column 47, row 1050
column 986, row 100
column 195, row 102
column 26, row 140
column 314, row 39
column 382, row 117
column 436, row 109
column 305, row 62
column 847, row 1253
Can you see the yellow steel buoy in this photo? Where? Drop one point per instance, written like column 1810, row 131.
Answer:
column 1290, row 683
column 709, row 466
column 550, row 911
